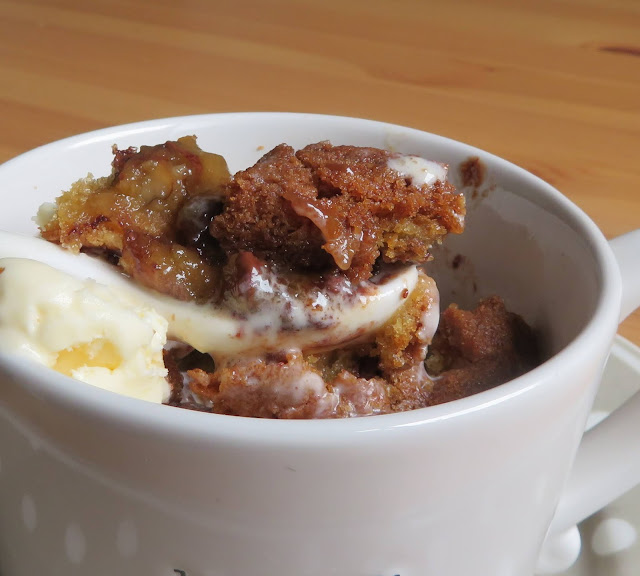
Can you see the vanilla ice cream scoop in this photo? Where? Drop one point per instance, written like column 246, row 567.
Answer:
column 82, row 329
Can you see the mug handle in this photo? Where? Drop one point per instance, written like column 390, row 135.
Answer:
column 607, row 463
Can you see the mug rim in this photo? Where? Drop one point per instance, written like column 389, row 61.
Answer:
column 58, row 389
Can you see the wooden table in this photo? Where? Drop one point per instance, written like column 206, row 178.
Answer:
column 553, row 86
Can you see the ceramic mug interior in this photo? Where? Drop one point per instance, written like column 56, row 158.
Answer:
column 544, row 271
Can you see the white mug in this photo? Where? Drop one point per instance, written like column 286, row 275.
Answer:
column 95, row 484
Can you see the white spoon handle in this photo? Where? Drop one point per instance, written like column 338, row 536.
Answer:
column 215, row 329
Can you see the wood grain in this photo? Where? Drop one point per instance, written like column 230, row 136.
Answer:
column 552, row 85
